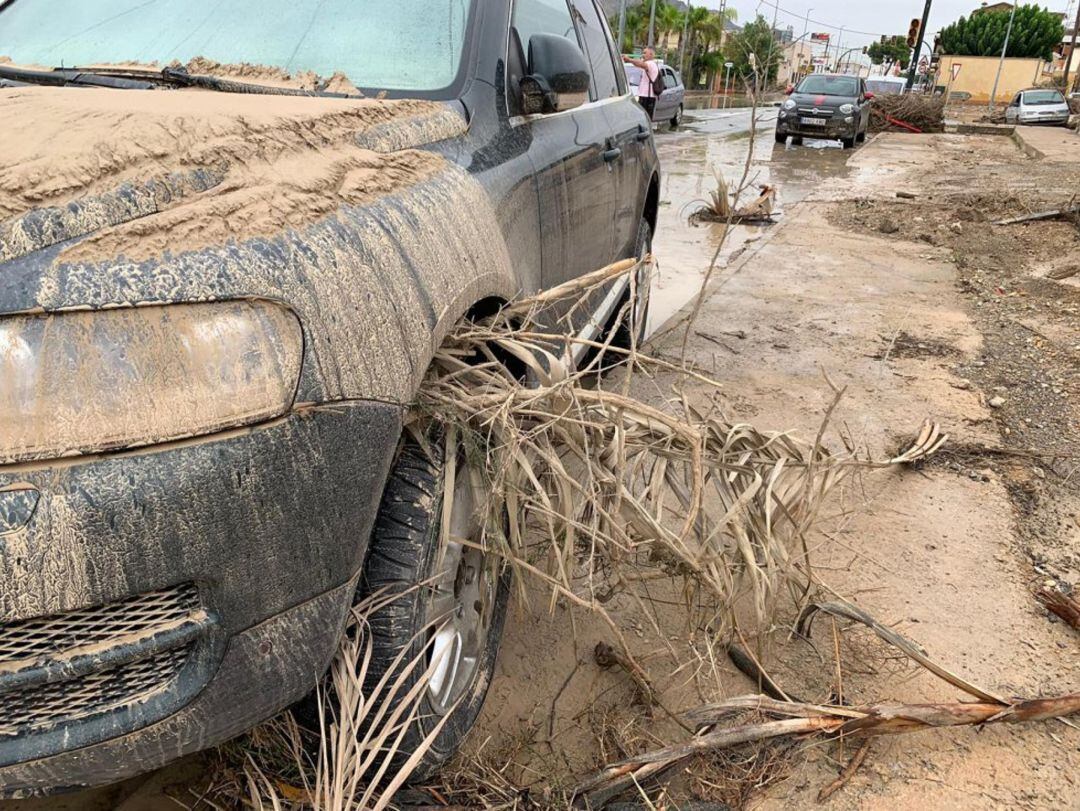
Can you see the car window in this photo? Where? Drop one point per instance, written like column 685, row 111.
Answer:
column 1043, row 97
column 335, row 35
column 605, row 84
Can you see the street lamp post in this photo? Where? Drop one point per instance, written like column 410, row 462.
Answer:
column 622, row 23
column 685, row 34
column 1001, row 63
column 727, row 79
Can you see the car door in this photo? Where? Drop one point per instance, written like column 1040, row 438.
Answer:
column 628, row 126
column 668, row 101
column 572, row 153
column 1012, row 110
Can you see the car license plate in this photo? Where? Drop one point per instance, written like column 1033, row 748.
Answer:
column 813, row 122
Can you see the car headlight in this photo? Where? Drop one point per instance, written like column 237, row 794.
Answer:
column 84, row 382
column 788, row 105
column 847, row 108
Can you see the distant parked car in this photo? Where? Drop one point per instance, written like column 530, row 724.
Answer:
column 886, row 85
column 1038, row 106
column 826, row 106
column 669, row 107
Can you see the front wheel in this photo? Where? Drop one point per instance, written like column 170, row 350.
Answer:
column 849, row 143
column 677, row 119
column 780, row 138
column 449, row 603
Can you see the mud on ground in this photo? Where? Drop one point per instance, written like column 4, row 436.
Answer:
column 937, row 315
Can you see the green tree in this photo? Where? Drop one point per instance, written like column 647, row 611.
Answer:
column 1036, row 33
column 755, row 39
column 892, row 51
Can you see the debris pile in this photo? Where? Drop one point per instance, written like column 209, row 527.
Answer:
column 908, row 112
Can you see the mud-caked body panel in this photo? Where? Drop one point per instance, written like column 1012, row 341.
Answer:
column 187, row 576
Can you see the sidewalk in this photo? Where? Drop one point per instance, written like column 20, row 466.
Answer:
column 1053, row 144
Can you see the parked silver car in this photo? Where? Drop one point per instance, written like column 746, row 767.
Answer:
column 1042, row 105
column 669, row 107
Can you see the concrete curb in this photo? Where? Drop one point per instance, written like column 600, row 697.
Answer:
column 956, row 128
column 1026, row 147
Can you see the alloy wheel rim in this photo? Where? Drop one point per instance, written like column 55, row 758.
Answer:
column 463, row 601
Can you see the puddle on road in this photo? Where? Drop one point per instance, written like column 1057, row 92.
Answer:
column 717, row 140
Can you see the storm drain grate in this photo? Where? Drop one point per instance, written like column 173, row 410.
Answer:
column 43, row 637
column 105, row 690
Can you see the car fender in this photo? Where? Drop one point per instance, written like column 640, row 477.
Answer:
column 377, row 243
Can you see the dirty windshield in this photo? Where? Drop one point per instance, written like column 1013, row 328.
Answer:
column 404, row 45
column 829, row 85
column 1043, row 97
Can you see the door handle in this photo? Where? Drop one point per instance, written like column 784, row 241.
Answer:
column 612, row 154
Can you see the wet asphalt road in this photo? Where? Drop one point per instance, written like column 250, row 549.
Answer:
column 714, row 140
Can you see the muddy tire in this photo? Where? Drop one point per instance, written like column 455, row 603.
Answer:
column 407, row 557
column 781, row 139
column 677, row 118
column 849, row 143
column 406, row 551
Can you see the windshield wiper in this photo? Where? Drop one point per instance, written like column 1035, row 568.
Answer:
column 133, row 79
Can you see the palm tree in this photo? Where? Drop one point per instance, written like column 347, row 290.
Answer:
column 668, row 20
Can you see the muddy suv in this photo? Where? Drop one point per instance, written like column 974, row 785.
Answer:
column 221, row 283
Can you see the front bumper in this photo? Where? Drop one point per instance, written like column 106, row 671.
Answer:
column 265, row 528
column 834, row 129
column 1058, row 120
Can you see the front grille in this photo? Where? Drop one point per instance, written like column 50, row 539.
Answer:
column 50, row 704
column 67, row 667
column 809, row 112
column 44, row 637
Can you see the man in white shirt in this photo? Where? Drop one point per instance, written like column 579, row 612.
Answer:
column 649, row 73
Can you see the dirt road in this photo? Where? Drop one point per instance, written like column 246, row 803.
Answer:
column 919, row 308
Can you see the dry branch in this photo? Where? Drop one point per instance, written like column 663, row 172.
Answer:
column 924, row 112
column 1062, row 605
column 800, row 720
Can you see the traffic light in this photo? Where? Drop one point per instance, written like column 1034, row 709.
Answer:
column 913, row 32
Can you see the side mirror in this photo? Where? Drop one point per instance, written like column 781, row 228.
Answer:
column 790, row 90
column 558, row 76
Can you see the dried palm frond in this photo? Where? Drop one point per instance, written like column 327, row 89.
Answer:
column 599, row 484
column 358, row 762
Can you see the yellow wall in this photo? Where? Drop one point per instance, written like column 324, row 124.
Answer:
column 977, row 75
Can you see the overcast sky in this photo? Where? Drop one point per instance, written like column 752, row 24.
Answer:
column 876, row 17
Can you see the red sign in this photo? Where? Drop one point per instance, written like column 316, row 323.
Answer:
column 817, row 37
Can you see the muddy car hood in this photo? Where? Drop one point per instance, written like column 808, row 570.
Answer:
column 817, row 100
column 129, row 197
column 78, row 161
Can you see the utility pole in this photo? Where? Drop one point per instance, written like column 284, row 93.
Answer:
column 918, row 44
column 682, row 44
column 1001, row 63
column 1072, row 49
column 622, row 23
column 652, row 25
